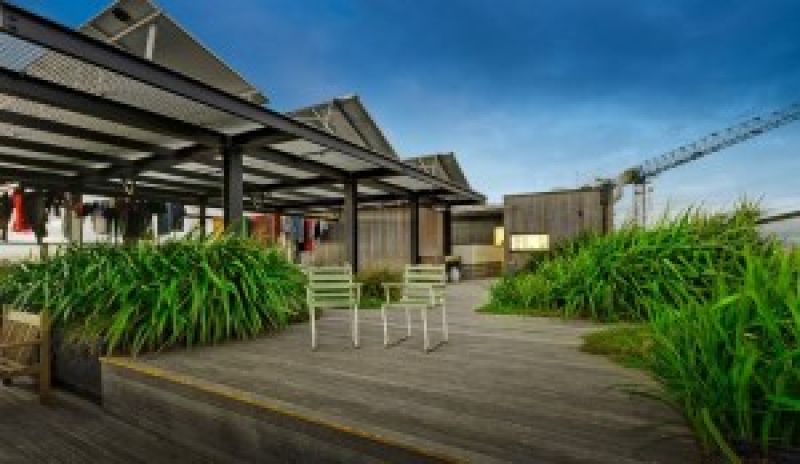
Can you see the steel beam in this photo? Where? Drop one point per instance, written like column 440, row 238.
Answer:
column 350, row 221
column 55, row 150
column 56, row 95
column 65, row 184
column 233, row 185
column 368, row 178
column 413, row 230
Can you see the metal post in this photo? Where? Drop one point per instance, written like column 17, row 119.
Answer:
column 233, row 184
column 203, row 218
column 413, row 204
column 350, row 220
column 447, row 231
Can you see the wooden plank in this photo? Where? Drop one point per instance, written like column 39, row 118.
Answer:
column 505, row 388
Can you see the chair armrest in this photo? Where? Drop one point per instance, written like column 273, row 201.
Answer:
column 5, row 346
column 357, row 287
column 392, row 284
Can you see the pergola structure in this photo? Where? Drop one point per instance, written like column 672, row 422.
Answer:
column 80, row 115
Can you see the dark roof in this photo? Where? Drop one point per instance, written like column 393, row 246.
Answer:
column 348, row 118
column 444, row 165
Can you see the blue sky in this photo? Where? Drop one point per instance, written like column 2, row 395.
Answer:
column 531, row 94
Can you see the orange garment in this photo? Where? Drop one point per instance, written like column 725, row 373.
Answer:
column 260, row 229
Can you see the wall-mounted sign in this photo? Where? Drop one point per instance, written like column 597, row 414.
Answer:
column 530, row 242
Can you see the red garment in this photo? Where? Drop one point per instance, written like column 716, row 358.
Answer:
column 308, row 235
column 19, row 213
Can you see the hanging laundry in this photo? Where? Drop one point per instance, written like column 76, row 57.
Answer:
column 36, row 213
column 308, row 235
column 100, row 217
column 5, row 214
column 19, row 212
column 177, row 216
column 260, row 228
column 297, row 230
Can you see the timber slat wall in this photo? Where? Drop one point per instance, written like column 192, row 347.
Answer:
column 560, row 214
column 384, row 239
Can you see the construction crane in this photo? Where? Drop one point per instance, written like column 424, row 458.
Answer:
column 639, row 176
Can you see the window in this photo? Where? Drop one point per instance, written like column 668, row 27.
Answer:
column 530, row 242
column 499, row 236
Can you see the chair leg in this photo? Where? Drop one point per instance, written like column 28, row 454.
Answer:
column 408, row 322
column 444, row 322
column 312, row 314
column 426, row 342
column 355, row 326
column 385, row 327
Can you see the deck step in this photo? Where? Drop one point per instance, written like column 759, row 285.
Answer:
column 224, row 421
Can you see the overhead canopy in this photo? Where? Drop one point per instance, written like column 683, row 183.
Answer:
column 79, row 114
column 141, row 28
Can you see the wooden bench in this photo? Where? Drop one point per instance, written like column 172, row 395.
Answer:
column 332, row 287
column 423, row 288
column 25, row 349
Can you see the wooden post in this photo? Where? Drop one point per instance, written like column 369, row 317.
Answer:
column 413, row 230
column 350, row 219
column 203, row 218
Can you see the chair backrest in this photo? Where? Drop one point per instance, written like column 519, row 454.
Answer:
column 20, row 327
column 330, row 286
column 419, row 277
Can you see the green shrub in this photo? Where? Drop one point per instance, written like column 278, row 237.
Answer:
column 732, row 362
column 372, row 280
column 615, row 277
column 148, row 297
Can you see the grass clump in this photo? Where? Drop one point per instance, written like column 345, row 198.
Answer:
column 732, row 362
column 614, row 277
column 629, row 345
column 148, row 297
column 372, row 292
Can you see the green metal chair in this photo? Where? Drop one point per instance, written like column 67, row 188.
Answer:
column 423, row 288
column 332, row 287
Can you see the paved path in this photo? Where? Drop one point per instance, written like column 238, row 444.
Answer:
column 505, row 389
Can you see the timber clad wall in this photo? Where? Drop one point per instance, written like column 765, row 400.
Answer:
column 561, row 214
column 384, row 239
column 475, row 230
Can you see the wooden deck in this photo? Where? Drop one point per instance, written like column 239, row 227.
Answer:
column 505, row 389
column 73, row 431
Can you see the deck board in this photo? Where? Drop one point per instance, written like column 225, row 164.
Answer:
column 505, row 389
column 73, row 431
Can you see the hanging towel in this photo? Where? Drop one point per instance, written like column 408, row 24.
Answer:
column 19, row 212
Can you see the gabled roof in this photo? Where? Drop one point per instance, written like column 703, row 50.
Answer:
column 348, row 118
column 126, row 24
column 443, row 165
